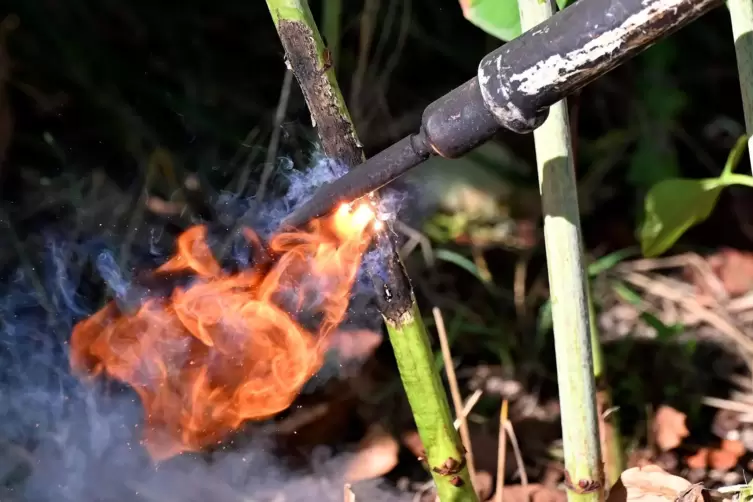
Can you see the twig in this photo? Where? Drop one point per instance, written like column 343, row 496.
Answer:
column 726, row 404
column 470, row 403
column 519, row 286
column 501, row 452
column 368, row 24
column 274, row 141
column 454, row 390
column 137, row 217
column 715, row 319
column 415, row 238
column 680, row 261
column 516, row 451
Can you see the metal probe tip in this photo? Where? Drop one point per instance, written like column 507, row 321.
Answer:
column 373, row 174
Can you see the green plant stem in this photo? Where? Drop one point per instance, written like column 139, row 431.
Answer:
column 428, row 399
column 741, row 14
column 567, row 282
column 609, row 427
column 738, row 179
column 307, row 56
column 331, row 20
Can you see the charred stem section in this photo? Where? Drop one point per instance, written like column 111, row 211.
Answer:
column 339, row 141
column 336, row 132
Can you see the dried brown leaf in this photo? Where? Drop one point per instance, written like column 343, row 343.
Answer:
column 483, row 483
column 733, row 446
column 412, row 441
column 722, row 460
column 533, row 493
column 376, row 456
column 669, row 428
column 699, row 460
column 652, row 484
column 735, row 270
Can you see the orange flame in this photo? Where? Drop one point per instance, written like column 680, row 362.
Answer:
column 224, row 350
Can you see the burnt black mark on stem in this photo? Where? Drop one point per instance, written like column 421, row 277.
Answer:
column 310, row 70
column 390, row 280
column 339, row 141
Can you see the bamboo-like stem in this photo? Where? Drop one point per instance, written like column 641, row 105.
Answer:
column 741, row 13
column 431, row 410
column 309, row 59
column 568, row 285
column 609, row 427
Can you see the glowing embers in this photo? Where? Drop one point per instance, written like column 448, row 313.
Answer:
column 229, row 347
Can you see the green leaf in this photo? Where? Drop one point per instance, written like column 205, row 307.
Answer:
column 467, row 265
column 608, row 261
column 674, row 205
column 625, row 293
column 499, row 18
column 671, row 207
column 663, row 332
column 461, row 261
column 735, row 155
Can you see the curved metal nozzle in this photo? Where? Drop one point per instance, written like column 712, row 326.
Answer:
column 362, row 180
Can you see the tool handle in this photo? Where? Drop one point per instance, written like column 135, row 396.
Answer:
column 521, row 79
column 517, row 83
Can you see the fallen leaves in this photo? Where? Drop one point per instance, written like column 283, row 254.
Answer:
column 669, row 428
column 376, row 456
column 483, row 483
column 699, row 460
column 723, row 458
column 533, row 493
column 734, row 269
column 653, row 484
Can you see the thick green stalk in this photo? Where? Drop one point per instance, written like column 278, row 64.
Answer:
column 431, row 411
column 741, row 12
column 568, row 285
column 310, row 61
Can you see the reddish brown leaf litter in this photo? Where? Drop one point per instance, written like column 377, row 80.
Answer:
column 376, row 456
column 735, row 270
column 699, row 460
column 669, row 428
column 726, row 456
column 533, row 493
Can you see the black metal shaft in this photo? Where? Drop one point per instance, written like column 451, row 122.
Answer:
column 515, row 86
column 523, row 78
